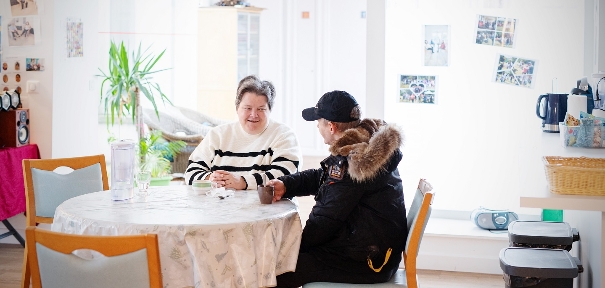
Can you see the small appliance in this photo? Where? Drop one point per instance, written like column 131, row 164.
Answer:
column 493, row 219
column 551, row 108
column 599, row 95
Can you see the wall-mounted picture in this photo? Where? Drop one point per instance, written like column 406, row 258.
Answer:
column 34, row 64
column 436, row 45
column 11, row 64
column 23, row 31
column 495, row 31
column 75, row 38
column 515, row 71
column 417, row 89
column 24, row 7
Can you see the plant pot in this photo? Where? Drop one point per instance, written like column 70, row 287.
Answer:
column 161, row 181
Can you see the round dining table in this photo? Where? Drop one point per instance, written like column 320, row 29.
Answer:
column 205, row 240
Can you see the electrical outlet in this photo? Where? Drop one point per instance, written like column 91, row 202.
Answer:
column 33, row 86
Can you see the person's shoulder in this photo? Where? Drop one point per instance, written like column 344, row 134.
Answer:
column 222, row 129
column 224, row 126
column 280, row 127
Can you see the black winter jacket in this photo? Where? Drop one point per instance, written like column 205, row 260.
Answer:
column 359, row 212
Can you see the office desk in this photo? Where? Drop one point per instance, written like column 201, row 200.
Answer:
column 12, row 190
column 204, row 241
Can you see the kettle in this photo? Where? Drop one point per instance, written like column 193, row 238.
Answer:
column 551, row 108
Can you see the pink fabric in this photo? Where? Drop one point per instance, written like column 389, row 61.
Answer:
column 12, row 188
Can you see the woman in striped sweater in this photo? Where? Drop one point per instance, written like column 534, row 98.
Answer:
column 251, row 151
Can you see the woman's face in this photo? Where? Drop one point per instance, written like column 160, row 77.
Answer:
column 253, row 113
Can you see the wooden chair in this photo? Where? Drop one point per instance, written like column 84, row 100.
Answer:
column 418, row 216
column 128, row 261
column 45, row 189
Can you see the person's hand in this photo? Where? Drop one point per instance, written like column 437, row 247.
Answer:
column 225, row 179
column 279, row 189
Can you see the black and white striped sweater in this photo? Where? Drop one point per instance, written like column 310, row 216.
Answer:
column 274, row 152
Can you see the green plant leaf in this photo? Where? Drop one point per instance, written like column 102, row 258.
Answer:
column 155, row 152
column 124, row 74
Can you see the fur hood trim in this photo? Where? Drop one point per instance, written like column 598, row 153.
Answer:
column 368, row 147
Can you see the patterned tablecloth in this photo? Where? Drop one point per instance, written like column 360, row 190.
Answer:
column 204, row 241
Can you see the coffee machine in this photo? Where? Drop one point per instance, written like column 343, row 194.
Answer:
column 599, row 94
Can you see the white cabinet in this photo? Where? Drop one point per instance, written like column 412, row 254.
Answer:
column 228, row 49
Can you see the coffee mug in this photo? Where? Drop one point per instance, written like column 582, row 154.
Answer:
column 265, row 194
column 201, row 185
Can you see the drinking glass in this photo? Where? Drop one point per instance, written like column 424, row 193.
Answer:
column 143, row 180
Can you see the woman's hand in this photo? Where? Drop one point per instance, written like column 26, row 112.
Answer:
column 225, row 179
column 279, row 189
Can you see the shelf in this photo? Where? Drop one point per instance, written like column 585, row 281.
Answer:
column 545, row 199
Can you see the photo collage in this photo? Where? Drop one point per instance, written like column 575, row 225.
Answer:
column 417, row 89
column 515, row 71
column 496, row 31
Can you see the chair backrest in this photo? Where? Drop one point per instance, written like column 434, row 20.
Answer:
column 128, row 261
column 418, row 217
column 45, row 189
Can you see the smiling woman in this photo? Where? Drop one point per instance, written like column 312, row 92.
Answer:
column 246, row 153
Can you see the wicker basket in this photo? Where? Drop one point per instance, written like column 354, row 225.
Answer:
column 575, row 175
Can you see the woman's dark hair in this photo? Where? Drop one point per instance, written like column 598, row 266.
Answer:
column 253, row 84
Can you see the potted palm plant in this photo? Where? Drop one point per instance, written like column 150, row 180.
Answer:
column 129, row 75
column 157, row 153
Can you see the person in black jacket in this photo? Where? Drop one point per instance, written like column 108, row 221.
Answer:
column 357, row 229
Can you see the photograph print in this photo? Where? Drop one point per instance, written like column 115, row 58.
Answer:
column 34, row 64
column 22, row 31
column 24, row 7
column 436, row 45
column 495, row 31
column 417, row 89
column 515, row 71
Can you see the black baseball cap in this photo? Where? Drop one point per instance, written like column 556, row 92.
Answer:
column 335, row 106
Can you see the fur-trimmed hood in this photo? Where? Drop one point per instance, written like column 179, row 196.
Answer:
column 368, row 147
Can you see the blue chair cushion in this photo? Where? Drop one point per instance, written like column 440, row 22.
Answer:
column 67, row 270
column 52, row 189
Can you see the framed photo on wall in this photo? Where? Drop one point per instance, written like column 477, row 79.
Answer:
column 495, row 31
column 515, row 71
column 436, row 45
column 417, row 89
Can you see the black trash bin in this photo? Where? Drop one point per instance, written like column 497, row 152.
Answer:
column 538, row 267
column 541, row 234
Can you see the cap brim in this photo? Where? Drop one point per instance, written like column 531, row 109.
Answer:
column 309, row 114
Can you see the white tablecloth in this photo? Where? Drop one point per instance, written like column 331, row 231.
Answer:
column 204, row 241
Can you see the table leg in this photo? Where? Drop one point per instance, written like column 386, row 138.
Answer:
column 12, row 231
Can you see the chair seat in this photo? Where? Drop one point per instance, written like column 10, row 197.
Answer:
column 398, row 280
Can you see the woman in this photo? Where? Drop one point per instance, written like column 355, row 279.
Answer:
column 27, row 29
column 251, row 151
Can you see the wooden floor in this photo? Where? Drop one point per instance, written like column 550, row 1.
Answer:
column 11, row 257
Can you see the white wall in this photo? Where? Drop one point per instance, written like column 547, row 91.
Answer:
column 40, row 105
column 376, row 60
column 305, row 58
column 63, row 120
column 75, row 96
column 479, row 143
